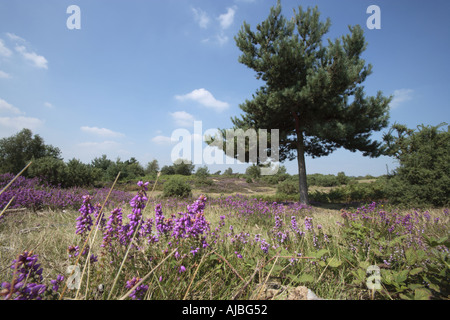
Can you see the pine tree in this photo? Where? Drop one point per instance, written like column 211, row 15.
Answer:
column 312, row 92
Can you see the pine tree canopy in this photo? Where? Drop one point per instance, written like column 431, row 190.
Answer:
column 312, row 90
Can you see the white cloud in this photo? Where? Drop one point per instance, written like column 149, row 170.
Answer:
column 105, row 145
column 222, row 39
column 48, row 105
column 6, row 107
column 37, row 60
column 162, row 140
column 103, row 132
column 401, row 96
column 14, row 124
column 4, row 51
column 205, row 98
column 201, row 17
column 15, row 37
column 183, row 119
column 4, row 75
column 226, row 19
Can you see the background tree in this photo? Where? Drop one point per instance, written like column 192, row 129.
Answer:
column 202, row 172
column 423, row 175
column 79, row 174
column 228, row 172
column 312, row 92
column 152, row 168
column 253, row 171
column 53, row 170
column 101, row 162
column 183, row 167
column 167, row 170
column 16, row 151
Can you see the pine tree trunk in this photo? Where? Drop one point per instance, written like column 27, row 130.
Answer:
column 303, row 186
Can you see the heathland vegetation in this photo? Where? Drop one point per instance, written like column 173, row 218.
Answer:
column 96, row 239
column 114, row 229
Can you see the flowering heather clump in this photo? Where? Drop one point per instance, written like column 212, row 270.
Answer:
column 57, row 282
column 84, row 221
column 295, row 226
column 163, row 225
column 37, row 194
column 140, row 290
column 112, row 228
column 27, row 279
column 308, row 224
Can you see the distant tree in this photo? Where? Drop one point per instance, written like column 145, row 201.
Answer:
column 423, row 175
column 18, row 150
column 53, row 170
column 253, row 171
column 152, row 167
column 167, row 170
column 133, row 169
column 114, row 169
column 312, row 90
column 228, row 172
column 183, row 167
column 101, row 163
column 202, row 172
column 79, row 174
column 342, row 178
column 217, row 173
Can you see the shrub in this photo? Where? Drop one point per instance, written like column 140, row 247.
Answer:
column 176, row 187
column 253, row 171
column 288, row 187
column 423, row 176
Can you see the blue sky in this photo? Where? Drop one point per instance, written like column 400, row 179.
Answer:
column 138, row 70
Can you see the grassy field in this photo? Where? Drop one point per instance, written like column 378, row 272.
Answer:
column 231, row 245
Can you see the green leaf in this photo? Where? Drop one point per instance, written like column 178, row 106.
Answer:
column 334, row 262
column 415, row 271
column 401, row 276
column 404, row 297
column 434, row 287
column 321, row 252
column 364, row 264
column 360, row 275
column 414, row 286
column 387, row 277
column 305, row 278
column 212, row 257
column 420, row 256
column 410, row 256
column 422, row 294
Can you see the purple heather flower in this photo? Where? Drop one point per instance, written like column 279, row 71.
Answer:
column 182, row 269
column 308, row 223
column 57, row 282
column 84, row 221
column 28, row 279
column 140, row 290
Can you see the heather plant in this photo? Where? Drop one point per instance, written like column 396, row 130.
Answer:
column 227, row 247
column 37, row 194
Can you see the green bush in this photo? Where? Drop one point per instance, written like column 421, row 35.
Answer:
column 288, row 187
column 423, row 175
column 53, row 170
column 176, row 187
column 253, row 172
